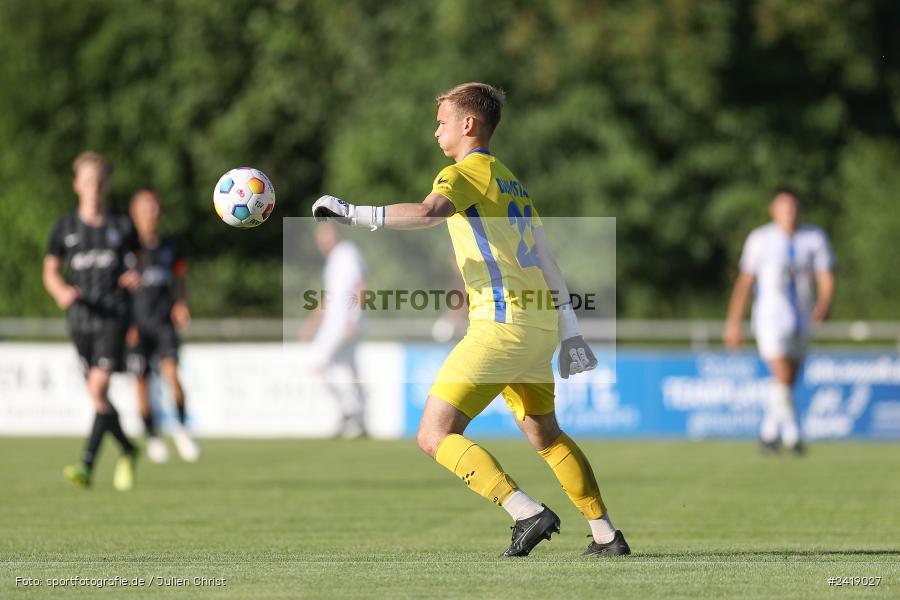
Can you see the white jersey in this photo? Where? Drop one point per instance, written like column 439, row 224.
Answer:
column 784, row 267
column 344, row 275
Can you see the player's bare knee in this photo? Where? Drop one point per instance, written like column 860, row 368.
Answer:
column 98, row 383
column 168, row 368
column 422, row 440
column 540, row 430
column 542, row 440
column 99, row 399
column 429, row 439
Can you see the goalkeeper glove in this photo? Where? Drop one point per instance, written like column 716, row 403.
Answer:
column 329, row 207
column 575, row 355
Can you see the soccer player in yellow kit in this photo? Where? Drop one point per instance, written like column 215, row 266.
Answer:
column 507, row 264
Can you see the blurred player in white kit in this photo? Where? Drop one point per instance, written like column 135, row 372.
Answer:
column 793, row 269
column 335, row 327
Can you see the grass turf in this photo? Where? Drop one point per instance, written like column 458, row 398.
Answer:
column 323, row 519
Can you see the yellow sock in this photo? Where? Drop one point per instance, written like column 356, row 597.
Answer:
column 574, row 473
column 476, row 467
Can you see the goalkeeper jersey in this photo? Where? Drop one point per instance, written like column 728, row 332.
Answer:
column 493, row 238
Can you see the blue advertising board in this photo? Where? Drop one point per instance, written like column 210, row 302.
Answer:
column 672, row 394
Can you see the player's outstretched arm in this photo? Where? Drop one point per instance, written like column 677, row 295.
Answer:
column 736, row 308
column 428, row 213
column 575, row 355
column 433, row 210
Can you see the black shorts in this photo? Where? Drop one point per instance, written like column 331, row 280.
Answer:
column 155, row 343
column 101, row 347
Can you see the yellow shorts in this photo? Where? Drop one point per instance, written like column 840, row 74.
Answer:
column 496, row 358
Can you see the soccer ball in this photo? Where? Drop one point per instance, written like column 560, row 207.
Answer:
column 244, row 197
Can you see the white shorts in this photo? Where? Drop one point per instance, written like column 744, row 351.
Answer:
column 778, row 345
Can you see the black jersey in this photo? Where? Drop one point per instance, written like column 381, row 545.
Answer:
column 93, row 258
column 162, row 265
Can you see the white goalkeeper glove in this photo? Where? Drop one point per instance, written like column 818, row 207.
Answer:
column 575, row 356
column 329, row 207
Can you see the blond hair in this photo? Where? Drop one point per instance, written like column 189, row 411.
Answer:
column 92, row 158
column 480, row 99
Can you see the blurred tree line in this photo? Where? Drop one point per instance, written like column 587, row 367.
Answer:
column 676, row 117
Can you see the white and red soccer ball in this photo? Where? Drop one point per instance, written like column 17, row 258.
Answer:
column 244, row 197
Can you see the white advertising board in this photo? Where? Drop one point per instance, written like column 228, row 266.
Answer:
column 233, row 390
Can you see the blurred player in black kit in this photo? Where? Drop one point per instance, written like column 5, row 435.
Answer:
column 160, row 309
column 89, row 267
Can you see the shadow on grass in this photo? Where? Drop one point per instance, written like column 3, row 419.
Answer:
column 787, row 554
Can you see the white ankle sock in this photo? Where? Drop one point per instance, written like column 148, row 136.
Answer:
column 520, row 506
column 602, row 529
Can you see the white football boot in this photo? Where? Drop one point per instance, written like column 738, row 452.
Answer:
column 157, row 451
column 185, row 444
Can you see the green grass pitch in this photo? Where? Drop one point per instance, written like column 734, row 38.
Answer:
column 366, row 519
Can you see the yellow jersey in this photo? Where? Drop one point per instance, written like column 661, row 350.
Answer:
column 493, row 238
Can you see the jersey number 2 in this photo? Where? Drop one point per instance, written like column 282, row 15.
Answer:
column 527, row 257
